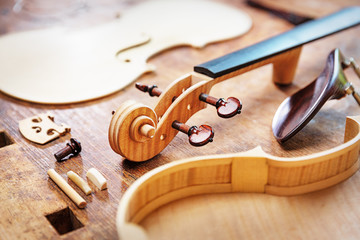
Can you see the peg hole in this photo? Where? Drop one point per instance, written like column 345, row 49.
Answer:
column 5, row 140
column 64, row 221
column 127, row 60
column 162, row 137
column 188, row 107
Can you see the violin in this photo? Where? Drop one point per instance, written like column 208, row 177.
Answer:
column 138, row 132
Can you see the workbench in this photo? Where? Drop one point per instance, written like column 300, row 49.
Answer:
column 29, row 198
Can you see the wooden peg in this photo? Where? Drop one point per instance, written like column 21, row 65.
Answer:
column 147, row 130
column 198, row 136
column 225, row 109
column 153, row 90
column 74, row 148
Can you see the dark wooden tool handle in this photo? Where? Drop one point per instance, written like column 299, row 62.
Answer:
column 300, row 35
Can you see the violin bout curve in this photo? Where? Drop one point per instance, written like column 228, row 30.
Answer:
column 251, row 171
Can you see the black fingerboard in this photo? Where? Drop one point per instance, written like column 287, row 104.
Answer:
column 298, row 36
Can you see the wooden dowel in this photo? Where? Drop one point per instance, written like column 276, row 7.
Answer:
column 147, row 130
column 72, row 194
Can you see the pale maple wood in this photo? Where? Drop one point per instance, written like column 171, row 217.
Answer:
column 28, row 195
column 73, row 195
column 126, row 124
column 111, row 55
column 252, row 171
column 81, row 183
column 97, row 178
column 41, row 128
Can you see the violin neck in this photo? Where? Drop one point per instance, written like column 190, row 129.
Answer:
column 296, row 37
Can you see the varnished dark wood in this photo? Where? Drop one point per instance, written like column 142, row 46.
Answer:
column 300, row 35
column 225, row 109
column 73, row 148
column 297, row 110
column 153, row 90
column 198, row 136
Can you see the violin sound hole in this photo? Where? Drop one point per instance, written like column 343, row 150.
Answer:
column 37, row 129
column 50, row 132
column 36, row 120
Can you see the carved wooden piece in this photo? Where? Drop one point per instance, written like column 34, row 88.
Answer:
column 327, row 214
column 42, row 128
column 108, row 56
column 97, row 178
column 297, row 110
column 187, row 89
column 225, row 109
column 198, row 136
column 252, row 171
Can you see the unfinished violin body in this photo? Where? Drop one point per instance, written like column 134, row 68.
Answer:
column 122, row 48
column 139, row 133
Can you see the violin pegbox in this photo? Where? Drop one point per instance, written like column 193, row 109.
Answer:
column 41, row 128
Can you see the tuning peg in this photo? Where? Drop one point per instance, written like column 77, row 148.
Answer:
column 153, row 90
column 198, row 136
column 225, row 109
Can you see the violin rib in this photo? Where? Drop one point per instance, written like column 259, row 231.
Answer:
column 252, row 171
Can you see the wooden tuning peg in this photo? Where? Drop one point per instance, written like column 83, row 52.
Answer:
column 198, row 136
column 74, row 148
column 153, row 90
column 225, row 109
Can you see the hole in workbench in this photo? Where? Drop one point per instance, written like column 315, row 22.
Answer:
column 64, row 221
column 5, row 139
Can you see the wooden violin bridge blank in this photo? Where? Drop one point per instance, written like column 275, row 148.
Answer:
column 41, row 128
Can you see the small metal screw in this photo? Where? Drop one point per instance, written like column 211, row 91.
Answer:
column 74, row 148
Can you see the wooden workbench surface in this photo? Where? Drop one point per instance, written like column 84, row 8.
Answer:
column 27, row 195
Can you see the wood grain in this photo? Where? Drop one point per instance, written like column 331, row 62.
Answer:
column 28, row 195
column 250, row 171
